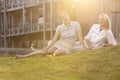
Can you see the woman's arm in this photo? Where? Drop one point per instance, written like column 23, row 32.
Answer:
column 55, row 38
column 88, row 44
column 88, row 36
column 110, row 38
column 80, row 38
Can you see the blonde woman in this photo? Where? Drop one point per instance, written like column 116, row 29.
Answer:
column 100, row 35
column 64, row 38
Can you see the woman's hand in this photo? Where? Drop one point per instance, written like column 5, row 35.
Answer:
column 88, row 44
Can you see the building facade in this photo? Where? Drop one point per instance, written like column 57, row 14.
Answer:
column 26, row 22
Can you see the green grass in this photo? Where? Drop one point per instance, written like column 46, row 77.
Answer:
column 101, row 64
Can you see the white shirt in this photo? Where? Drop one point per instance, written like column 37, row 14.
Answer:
column 99, row 38
column 68, row 36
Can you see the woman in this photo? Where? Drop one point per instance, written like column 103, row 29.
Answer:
column 64, row 38
column 100, row 35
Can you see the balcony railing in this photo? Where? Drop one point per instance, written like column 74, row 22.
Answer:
column 29, row 28
column 11, row 4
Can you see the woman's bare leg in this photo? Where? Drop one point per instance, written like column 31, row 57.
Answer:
column 38, row 52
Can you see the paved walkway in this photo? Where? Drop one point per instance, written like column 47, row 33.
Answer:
column 13, row 51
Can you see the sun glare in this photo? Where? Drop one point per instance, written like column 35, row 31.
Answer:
column 73, row 6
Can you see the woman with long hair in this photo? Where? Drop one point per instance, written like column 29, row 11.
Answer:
column 100, row 35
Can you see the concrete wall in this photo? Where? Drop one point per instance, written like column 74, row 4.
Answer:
column 89, row 11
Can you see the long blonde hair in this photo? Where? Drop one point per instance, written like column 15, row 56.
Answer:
column 107, row 19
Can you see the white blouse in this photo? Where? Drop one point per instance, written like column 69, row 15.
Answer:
column 100, row 38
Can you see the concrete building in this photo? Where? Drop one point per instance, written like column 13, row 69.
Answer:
column 27, row 21
column 23, row 22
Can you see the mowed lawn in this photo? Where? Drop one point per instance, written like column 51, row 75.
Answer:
column 101, row 64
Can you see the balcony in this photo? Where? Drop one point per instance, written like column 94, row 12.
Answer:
column 28, row 29
column 12, row 5
column 20, row 30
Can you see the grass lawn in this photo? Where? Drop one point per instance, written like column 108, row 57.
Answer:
column 101, row 64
